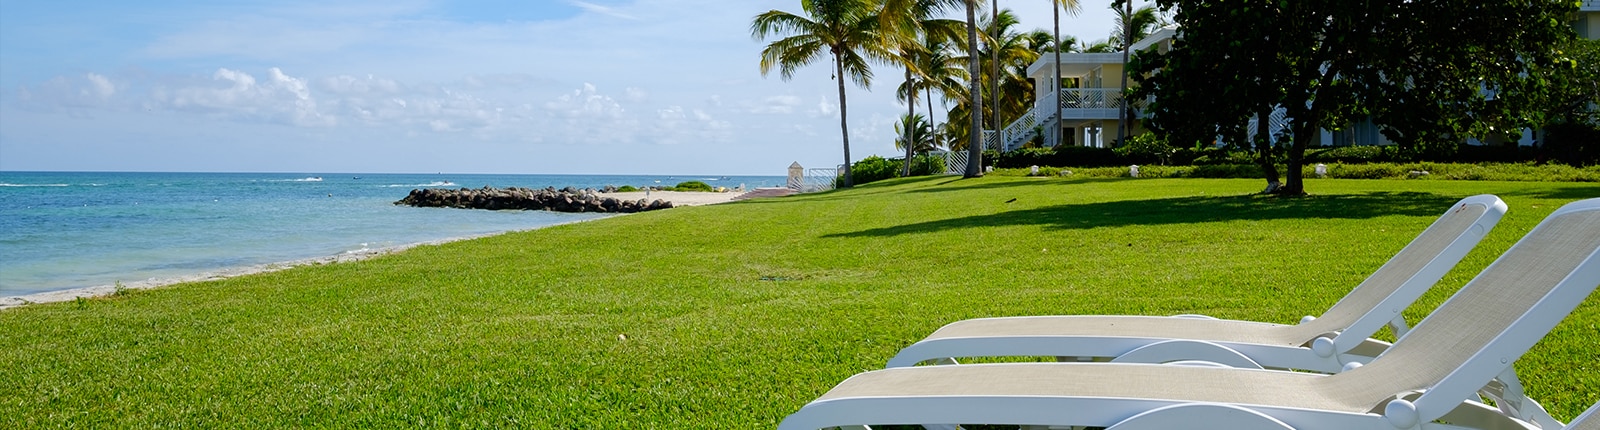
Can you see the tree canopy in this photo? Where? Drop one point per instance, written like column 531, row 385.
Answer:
column 1426, row 72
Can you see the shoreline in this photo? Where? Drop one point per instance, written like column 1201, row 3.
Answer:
column 678, row 198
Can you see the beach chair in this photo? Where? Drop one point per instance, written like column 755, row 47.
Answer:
column 1324, row 344
column 1429, row 379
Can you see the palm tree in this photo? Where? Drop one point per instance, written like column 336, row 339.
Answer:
column 907, row 21
column 1133, row 26
column 916, row 130
column 1072, row 8
column 974, row 94
column 941, row 71
column 849, row 30
column 1009, row 75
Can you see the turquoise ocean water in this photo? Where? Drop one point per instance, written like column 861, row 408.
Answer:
column 61, row 230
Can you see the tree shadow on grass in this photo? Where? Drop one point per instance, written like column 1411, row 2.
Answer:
column 1018, row 182
column 1187, row 210
column 1564, row 192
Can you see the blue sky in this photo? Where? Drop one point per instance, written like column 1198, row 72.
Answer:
column 490, row 86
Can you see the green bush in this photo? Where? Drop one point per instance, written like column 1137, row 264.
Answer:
column 1147, row 149
column 691, row 186
column 1351, row 154
column 626, row 189
column 925, row 164
column 1081, row 156
column 872, row 169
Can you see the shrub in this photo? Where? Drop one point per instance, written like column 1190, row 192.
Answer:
column 1351, row 154
column 872, row 169
column 1060, row 156
column 626, row 189
column 691, row 186
column 1146, row 149
column 925, row 164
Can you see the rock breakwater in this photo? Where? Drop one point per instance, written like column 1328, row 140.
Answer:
column 514, row 198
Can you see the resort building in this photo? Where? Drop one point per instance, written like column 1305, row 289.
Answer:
column 1086, row 108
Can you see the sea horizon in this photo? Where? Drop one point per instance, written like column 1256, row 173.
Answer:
column 64, row 230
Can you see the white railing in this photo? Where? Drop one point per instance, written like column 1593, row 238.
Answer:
column 1091, row 98
column 955, row 163
column 820, row 180
column 1020, row 131
column 1277, row 122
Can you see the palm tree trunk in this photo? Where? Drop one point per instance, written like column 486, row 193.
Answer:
column 994, row 19
column 911, row 109
column 844, row 125
column 974, row 96
column 1055, row 84
column 1127, row 43
column 932, row 125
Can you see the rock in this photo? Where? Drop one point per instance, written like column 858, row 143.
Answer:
column 567, row 199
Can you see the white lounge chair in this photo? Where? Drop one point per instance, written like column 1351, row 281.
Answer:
column 1429, row 379
column 1324, row 344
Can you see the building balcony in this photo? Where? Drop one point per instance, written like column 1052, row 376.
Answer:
column 1082, row 103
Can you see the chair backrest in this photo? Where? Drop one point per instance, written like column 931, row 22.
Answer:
column 1412, row 271
column 1491, row 321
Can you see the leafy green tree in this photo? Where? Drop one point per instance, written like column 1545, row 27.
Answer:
column 1422, row 71
column 847, row 30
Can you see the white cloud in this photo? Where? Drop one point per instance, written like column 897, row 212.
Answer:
column 586, row 102
column 102, row 86
column 603, row 10
column 346, row 84
column 282, row 98
column 777, row 105
column 825, row 108
column 633, row 94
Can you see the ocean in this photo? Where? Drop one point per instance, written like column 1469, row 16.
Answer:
column 64, row 230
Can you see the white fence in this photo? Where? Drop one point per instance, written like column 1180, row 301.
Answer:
column 955, row 163
column 820, row 179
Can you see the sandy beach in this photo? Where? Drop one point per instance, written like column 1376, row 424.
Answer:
column 678, row 198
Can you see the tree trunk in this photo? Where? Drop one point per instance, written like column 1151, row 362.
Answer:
column 974, row 96
column 844, row 125
column 931, row 125
column 1055, row 84
column 1295, row 183
column 994, row 51
column 1122, row 114
column 911, row 109
column 1264, row 150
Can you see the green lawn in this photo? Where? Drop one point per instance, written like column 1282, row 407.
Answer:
column 731, row 316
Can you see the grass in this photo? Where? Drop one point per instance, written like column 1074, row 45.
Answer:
column 734, row 315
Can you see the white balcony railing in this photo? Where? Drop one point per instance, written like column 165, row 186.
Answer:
column 1091, row 98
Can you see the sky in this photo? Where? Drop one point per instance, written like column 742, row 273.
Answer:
column 419, row 86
